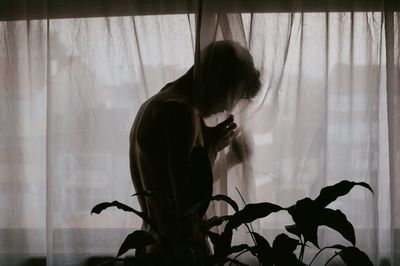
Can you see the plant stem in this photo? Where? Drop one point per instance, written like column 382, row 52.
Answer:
column 331, row 258
column 234, row 258
column 301, row 256
column 319, row 252
column 251, row 226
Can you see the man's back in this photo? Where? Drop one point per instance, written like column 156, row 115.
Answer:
column 151, row 146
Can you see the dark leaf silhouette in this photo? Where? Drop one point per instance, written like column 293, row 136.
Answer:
column 104, row 205
column 136, row 240
column 284, row 245
column 221, row 250
column 282, row 251
column 214, row 221
column 238, row 248
column 248, row 214
column 293, row 229
column 352, row 256
column 336, row 220
column 218, row 197
column 214, row 238
column 164, row 199
column 261, row 241
column 252, row 212
column 331, row 193
column 236, row 262
column 227, row 199
column 262, row 250
column 305, row 214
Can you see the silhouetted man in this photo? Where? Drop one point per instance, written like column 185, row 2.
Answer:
column 169, row 125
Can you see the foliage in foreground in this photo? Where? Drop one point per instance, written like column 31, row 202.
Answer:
column 308, row 215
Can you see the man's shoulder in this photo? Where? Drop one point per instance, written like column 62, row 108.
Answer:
column 171, row 108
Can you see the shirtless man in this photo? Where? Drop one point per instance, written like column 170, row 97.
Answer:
column 170, row 124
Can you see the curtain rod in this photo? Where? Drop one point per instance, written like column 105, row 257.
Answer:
column 55, row 9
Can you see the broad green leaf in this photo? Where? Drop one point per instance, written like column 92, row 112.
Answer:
column 352, row 256
column 331, row 193
column 136, row 240
column 336, row 220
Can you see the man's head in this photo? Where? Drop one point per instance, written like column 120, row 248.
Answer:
column 227, row 75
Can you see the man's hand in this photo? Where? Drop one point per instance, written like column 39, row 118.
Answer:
column 218, row 137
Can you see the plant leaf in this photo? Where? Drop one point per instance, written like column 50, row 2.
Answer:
column 248, row 214
column 104, row 205
column 218, row 197
column 341, row 247
column 304, row 214
column 284, row 245
column 282, row 250
column 214, row 238
column 136, row 240
column 236, row 262
column 293, row 229
column 262, row 250
column 336, row 220
column 238, row 248
column 261, row 241
column 331, row 193
column 221, row 248
column 163, row 199
column 352, row 256
column 213, row 221
column 252, row 212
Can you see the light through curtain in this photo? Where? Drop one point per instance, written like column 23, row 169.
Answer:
column 70, row 89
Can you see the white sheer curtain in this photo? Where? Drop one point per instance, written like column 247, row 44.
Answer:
column 70, row 87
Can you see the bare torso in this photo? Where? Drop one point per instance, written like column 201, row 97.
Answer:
column 149, row 153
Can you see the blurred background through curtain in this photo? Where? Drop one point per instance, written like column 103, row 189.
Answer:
column 72, row 78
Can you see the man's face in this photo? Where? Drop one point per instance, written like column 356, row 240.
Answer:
column 218, row 103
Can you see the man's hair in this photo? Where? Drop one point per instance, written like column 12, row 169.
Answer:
column 226, row 66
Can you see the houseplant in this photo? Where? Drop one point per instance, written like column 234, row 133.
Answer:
column 307, row 214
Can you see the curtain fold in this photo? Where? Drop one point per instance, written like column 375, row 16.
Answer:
column 393, row 109
column 70, row 88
